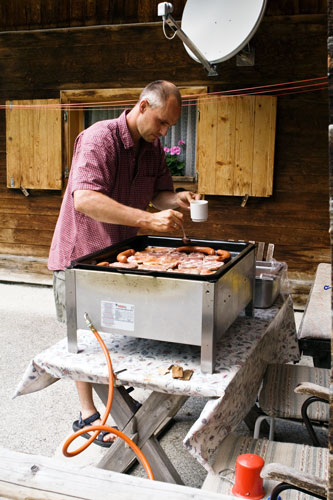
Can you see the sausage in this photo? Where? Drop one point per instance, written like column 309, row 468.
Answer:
column 206, row 250
column 122, row 257
column 224, row 254
column 103, row 264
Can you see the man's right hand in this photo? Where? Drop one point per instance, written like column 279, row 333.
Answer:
column 165, row 221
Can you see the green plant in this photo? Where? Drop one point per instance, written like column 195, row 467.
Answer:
column 173, row 158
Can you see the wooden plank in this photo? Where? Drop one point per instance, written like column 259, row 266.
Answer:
column 163, row 468
column 244, row 146
column 225, row 145
column 263, row 146
column 39, row 146
column 54, row 149
column 25, row 236
column 13, row 146
column 206, row 148
column 271, row 146
column 122, row 94
column 24, row 264
column 54, row 13
column 25, row 249
column 14, row 268
column 42, row 478
column 30, row 221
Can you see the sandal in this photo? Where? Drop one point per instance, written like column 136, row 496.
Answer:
column 81, row 423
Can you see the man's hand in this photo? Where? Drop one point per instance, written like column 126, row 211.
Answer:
column 185, row 197
column 171, row 199
column 165, row 221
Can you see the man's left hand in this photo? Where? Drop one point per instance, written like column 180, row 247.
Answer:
column 185, row 197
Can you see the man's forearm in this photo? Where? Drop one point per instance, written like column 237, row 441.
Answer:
column 102, row 208
column 165, row 199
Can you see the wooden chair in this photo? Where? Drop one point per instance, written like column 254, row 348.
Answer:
column 294, row 392
column 288, row 466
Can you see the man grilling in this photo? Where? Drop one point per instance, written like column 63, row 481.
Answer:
column 118, row 168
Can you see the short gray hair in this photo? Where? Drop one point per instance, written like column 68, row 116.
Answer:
column 157, row 93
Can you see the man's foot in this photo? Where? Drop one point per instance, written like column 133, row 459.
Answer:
column 104, row 438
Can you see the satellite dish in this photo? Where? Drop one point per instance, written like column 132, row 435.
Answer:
column 221, row 28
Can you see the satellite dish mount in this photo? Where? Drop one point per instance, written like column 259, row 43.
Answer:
column 164, row 10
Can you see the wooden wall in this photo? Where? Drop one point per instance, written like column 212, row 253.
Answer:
column 50, row 46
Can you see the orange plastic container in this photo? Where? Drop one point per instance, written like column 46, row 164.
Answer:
column 248, row 483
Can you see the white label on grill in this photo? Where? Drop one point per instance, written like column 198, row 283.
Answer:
column 117, row 315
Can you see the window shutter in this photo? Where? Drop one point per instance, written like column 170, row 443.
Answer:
column 33, row 144
column 235, row 145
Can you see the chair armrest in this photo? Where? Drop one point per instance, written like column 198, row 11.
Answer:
column 278, row 472
column 311, row 389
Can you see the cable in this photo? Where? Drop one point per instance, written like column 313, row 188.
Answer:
column 166, row 36
column 188, row 100
column 102, row 426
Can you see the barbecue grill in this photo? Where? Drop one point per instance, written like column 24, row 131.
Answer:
column 174, row 307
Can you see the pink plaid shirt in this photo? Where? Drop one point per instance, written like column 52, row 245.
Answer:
column 104, row 160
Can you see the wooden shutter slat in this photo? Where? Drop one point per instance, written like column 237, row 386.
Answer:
column 244, row 146
column 263, row 152
column 225, row 146
column 207, row 147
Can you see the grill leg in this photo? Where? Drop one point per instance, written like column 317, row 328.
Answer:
column 208, row 353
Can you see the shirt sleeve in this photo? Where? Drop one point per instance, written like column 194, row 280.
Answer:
column 92, row 158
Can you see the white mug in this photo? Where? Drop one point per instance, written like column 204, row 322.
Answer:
column 199, row 210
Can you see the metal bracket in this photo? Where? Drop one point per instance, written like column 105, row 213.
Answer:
column 164, row 10
column 24, row 191
column 244, row 200
column 246, row 57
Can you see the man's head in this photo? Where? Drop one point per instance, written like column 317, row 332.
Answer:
column 159, row 108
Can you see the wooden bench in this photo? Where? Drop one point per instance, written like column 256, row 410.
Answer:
column 314, row 334
column 33, row 477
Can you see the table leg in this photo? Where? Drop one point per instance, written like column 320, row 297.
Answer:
column 123, row 406
column 141, row 427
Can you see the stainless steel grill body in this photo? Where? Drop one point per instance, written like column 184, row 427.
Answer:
column 165, row 308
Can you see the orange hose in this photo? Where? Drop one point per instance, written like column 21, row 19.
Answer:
column 102, row 426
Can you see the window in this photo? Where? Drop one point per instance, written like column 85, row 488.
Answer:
column 77, row 120
column 184, row 130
